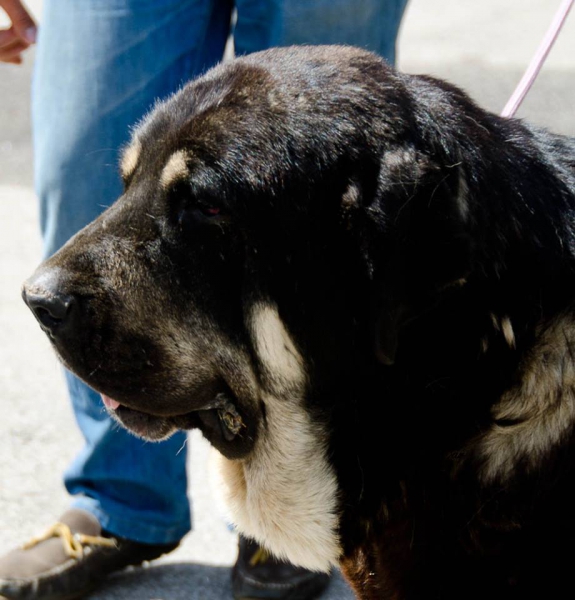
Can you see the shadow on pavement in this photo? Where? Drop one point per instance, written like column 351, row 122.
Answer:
column 187, row 581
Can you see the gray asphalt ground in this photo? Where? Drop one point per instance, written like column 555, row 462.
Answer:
column 482, row 46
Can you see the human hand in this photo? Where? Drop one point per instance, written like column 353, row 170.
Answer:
column 20, row 35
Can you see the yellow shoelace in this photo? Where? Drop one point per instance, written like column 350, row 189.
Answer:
column 259, row 556
column 73, row 542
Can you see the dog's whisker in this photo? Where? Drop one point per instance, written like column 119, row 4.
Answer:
column 98, row 367
column 182, row 446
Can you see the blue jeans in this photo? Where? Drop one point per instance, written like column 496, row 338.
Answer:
column 100, row 65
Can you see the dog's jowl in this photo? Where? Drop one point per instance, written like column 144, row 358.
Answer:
column 359, row 286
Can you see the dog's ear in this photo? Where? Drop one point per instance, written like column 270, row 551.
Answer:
column 414, row 239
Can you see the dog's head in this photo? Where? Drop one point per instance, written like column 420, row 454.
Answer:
column 276, row 212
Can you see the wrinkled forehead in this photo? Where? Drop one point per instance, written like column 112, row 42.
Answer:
column 254, row 122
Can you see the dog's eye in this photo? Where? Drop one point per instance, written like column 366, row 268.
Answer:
column 195, row 216
column 210, row 211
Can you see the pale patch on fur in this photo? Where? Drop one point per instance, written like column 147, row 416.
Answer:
column 508, row 332
column 285, row 493
column 463, row 197
column 495, row 322
column 176, row 168
column 456, row 283
column 350, row 198
column 541, row 408
column 399, row 158
column 504, row 325
column 349, row 204
column 130, row 157
column 275, row 100
column 275, row 348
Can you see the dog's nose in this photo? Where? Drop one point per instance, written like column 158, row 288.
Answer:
column 52, row 307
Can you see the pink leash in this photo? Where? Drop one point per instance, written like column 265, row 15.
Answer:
column 537, row 62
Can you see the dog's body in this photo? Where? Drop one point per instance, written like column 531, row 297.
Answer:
column 360, row 286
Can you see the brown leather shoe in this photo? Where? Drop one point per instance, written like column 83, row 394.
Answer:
column 258, row 575
column 72, row 558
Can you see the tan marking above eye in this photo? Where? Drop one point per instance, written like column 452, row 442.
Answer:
column 130, row 157
column 176, row 168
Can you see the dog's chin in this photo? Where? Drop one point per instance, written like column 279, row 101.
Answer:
column 232, row 434
column 146, row 426
column 153, row 428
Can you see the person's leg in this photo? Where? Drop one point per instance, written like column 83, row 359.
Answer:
column 369, row 24
column 100, row 66
column 136, row 490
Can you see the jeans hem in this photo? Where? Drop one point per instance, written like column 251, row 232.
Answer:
column 132, row 529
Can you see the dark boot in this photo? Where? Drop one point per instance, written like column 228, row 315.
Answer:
column 258, row 575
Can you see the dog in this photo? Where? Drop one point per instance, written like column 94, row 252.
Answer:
column 359, row 285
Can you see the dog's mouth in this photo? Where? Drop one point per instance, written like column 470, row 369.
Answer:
column 220, row 421
column 145, row 425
